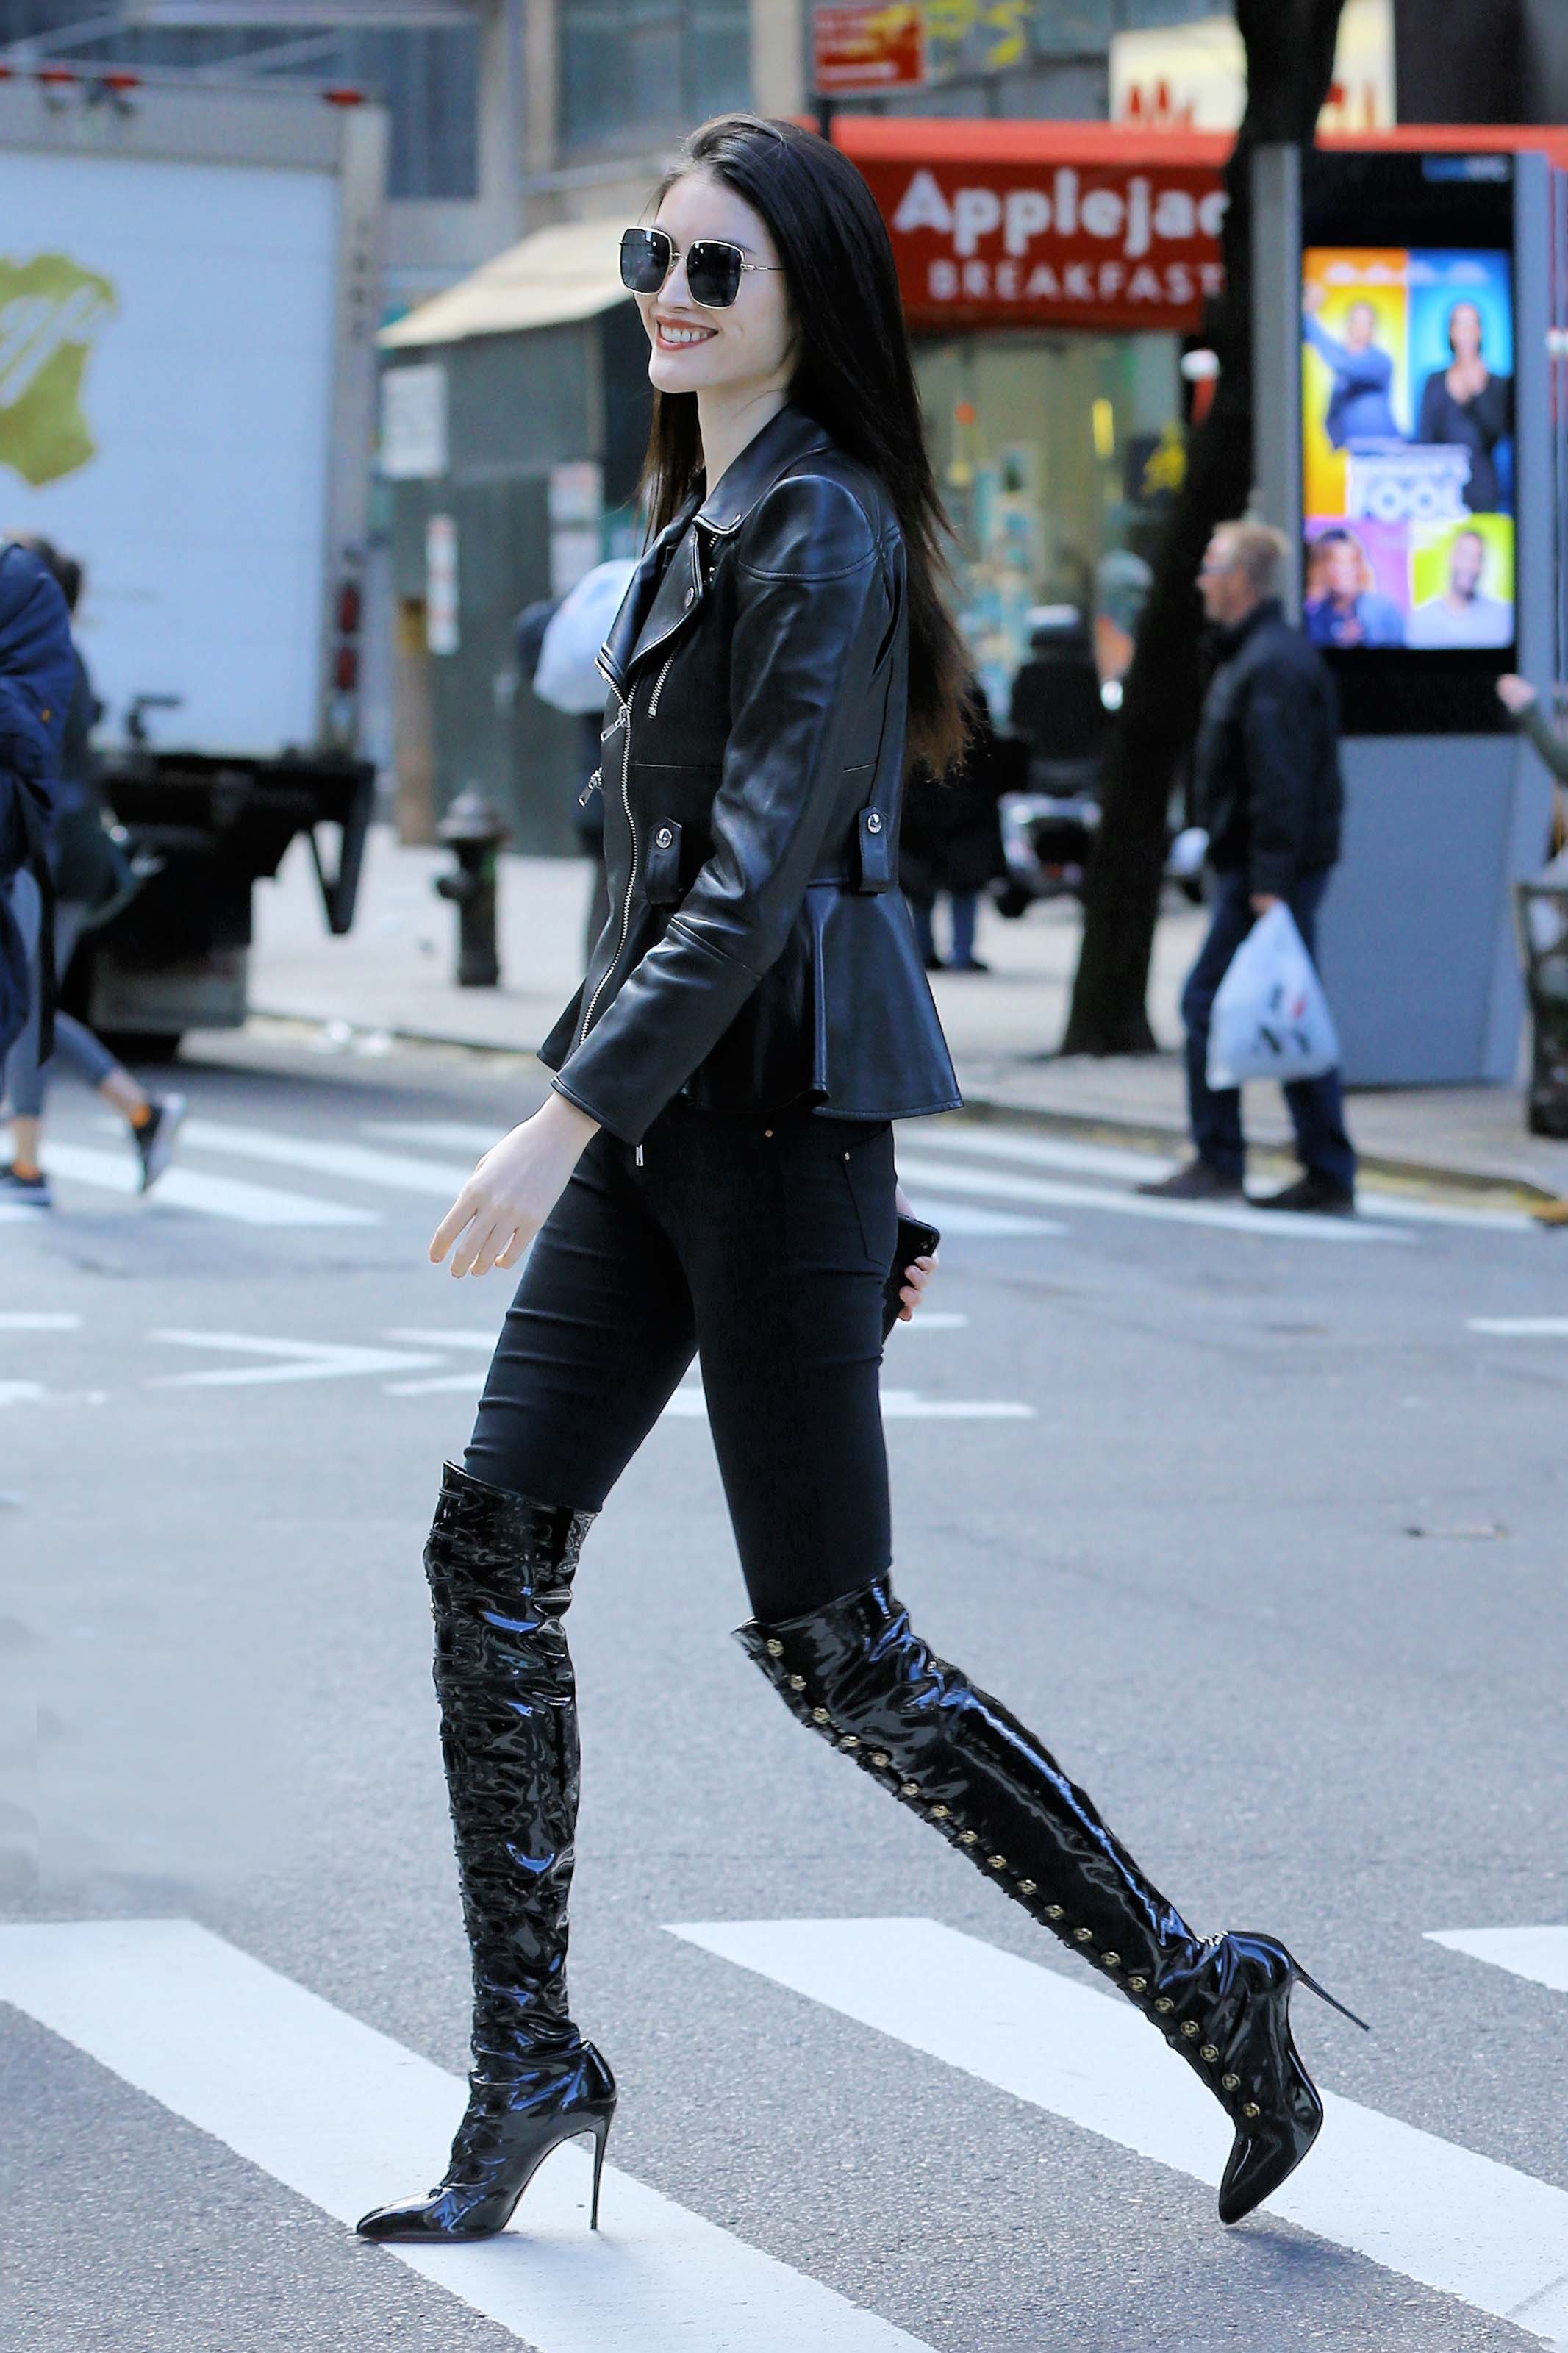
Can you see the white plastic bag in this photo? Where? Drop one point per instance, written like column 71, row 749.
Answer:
column 565, row 675
column 1270, row 1017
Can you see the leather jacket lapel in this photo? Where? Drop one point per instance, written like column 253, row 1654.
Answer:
column 654, row 607
column 622, row 646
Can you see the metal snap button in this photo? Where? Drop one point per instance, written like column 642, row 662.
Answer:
column 663, row 838
column 873, row 822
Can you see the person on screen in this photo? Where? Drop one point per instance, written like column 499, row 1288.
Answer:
column 1345, row 605
column 1464, row 615
column 1360, row 399
column 1466, row 406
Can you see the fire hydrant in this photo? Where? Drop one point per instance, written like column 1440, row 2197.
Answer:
column 474, row 833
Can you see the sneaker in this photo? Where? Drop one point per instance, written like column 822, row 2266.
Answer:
column 34, row 1190
column 155, row 1140
column 1200, row 1180
column 970, row 963
column 1314, row 1191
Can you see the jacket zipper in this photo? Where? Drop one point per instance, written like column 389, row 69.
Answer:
column 658, row 684
column 624, row 715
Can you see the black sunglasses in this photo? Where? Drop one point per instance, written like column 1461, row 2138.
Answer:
column 714, row 267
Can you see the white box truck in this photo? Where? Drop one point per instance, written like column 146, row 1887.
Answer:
column 189, row 295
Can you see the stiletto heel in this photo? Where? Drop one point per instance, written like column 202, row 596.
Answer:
column 601, row 2135
column 1323, row 1994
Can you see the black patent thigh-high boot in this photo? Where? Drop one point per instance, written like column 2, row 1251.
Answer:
column 501, row 1569
column 856, row 1673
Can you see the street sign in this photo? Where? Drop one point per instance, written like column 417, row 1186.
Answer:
column 872, row 45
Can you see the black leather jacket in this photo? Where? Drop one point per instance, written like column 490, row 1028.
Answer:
column 759, row 952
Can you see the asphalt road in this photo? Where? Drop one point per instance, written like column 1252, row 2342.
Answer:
column 1254, row 1526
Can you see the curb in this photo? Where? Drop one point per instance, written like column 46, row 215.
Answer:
column 1155, row 1136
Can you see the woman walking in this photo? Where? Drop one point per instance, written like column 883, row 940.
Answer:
column 713, row 1171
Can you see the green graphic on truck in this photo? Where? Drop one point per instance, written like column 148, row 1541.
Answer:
column 51, row 309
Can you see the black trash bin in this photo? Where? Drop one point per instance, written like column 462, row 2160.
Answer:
column 1541, row 914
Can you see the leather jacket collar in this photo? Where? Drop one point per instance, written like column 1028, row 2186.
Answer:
column 661, row 597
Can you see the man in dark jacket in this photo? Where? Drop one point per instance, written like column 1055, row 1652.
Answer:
column 36, row 673
column 1267, row 788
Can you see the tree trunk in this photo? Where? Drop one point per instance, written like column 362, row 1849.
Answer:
column 1289, row 64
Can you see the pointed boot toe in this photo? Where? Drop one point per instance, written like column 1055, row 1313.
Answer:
column 1268, row 2150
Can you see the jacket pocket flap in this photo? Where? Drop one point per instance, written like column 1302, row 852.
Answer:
column 876, row 851
column 664, row 864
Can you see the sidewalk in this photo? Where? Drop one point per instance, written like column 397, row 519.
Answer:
column 392, row 973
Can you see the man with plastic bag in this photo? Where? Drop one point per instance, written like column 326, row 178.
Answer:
column 1267, row 789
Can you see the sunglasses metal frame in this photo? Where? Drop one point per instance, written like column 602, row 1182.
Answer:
column 720, row 243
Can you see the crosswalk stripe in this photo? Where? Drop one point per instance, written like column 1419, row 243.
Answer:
column 349, row 2119
column 1058, row 1193
column 897, row 1405
column 17, row 1213
column 21, row 1320
column 449, row 1135
column 1539, row 1954
column 356, row 1162
column 1135, row 1167
column 1519, row 1327
column 953, row 1216
column 1424, row 2208
column 292, row 1360
column 212, row 1196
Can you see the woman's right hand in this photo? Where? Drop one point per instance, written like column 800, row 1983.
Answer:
column 1516, row 694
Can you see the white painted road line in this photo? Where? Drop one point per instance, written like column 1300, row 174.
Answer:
column 960, row 1218
column 897, row 1405
column 1052, row 1193
column 349, row 2119
column 1519, row 1327
column 1539, row 1954
column 1416, row 2205
column 445, row 1134
column 1139, row 1168
column 20, row 1322
column 212, row 1196
column 393, row 1171
column 297, row 1360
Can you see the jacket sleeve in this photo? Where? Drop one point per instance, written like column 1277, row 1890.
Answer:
column 37, row 671
column 1282, row 738
column 811, row 611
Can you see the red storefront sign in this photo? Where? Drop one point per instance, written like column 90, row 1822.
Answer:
column 859, row 48
column 1049, row 224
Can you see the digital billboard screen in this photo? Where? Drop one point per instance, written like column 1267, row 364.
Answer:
column 1407, row 447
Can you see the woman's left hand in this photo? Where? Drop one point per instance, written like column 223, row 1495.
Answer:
column 513, row 1190
column 917, row 1274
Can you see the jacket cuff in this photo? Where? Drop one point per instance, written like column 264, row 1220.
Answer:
column 1273, row 875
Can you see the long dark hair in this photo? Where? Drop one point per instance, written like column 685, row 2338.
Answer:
column 853, row 374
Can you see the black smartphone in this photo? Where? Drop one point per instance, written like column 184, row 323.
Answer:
column 916, row 1239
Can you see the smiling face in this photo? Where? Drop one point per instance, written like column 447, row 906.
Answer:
column 747, row 347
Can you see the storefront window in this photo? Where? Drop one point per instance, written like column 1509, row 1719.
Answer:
column 644, row 71
column 1057, row 457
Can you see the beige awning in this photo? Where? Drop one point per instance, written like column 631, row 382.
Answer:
column 570, row 271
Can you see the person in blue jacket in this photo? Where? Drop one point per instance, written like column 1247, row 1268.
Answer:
column 37, row 671
column 1360, row 406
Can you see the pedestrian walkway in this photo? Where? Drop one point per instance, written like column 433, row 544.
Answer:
column 988, row 1182
column 346, row 2117
column 393, row 974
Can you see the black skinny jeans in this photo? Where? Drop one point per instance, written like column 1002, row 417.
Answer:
column 760, row 1242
